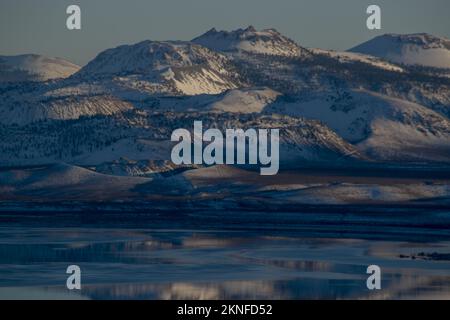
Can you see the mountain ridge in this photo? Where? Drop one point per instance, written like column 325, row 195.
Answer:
column 34, row 67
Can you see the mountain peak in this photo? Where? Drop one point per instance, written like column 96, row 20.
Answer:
column 250, row 29
column 250, row 40
column 413, row 49
column 34, row 67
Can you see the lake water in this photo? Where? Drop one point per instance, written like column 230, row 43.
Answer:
column 136, row 257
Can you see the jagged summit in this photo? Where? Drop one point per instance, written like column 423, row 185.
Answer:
column 266, row 41
column 413, row 49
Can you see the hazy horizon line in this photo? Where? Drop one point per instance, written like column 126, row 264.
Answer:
column 218, row 30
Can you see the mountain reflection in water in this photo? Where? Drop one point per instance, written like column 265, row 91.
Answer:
column 133, row 263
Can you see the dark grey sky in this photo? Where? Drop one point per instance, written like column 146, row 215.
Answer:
column 39, row 26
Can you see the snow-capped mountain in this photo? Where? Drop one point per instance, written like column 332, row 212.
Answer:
column 125, row 103
column 323, row 71
column 118, row 78
column 33, row 67
column 250, row 40
column 173, row 67
column 410, row 49
column 103, row 133
column 382, row 127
